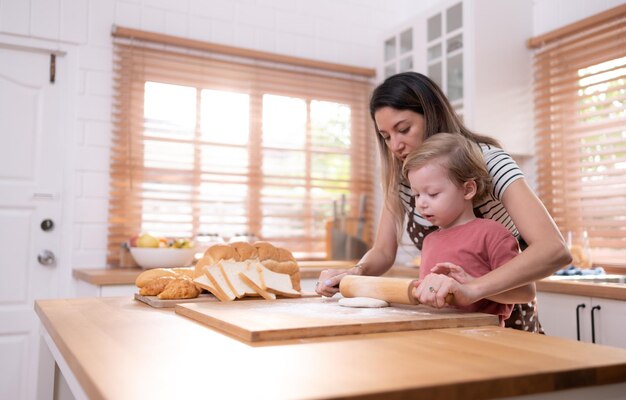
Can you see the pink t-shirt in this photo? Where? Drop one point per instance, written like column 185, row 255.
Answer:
column 478, row 246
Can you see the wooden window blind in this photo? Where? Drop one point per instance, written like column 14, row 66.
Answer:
column 580, row 98
column 206, row 145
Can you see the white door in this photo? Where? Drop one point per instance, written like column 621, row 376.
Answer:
column 31, row 177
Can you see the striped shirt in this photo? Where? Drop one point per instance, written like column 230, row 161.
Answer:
column 503, row 171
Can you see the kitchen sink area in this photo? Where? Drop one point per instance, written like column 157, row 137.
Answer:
column 599, row 279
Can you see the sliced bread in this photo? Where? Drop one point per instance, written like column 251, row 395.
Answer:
column 206, row 284
column 251, row 278
column 231, row 270
column 277, row 283
column 219, row 281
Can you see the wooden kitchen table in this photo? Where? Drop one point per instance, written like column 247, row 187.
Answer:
column 118, row 348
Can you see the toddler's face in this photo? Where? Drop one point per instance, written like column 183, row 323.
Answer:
column 437, row 198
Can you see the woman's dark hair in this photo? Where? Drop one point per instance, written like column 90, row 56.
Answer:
column 418, row 93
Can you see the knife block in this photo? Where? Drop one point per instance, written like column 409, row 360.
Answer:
column 353, row 248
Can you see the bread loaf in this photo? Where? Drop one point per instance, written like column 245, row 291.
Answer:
column 228, row 271
column 167, row 283
column 244, row 251
column 149, row 275
column 181, row 288
column 276, row 259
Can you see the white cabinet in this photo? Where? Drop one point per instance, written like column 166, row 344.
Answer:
column 84, row 289
column 476, row 51
column 600, row 320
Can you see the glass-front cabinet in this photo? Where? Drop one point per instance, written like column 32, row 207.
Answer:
column 476, row 51
column 399, row 53
column 444, row 52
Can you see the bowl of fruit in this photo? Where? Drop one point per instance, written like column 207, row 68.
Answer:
column 150, row 251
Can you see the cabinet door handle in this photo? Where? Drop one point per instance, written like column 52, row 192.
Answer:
column 578, row 307
column 593, row 325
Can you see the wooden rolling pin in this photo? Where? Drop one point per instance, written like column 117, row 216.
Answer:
column 392, row 290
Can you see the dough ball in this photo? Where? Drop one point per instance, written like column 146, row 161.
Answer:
column 362, row 302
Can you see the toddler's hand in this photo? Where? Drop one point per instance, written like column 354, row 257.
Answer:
column 453, row 271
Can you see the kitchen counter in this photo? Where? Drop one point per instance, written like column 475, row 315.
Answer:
column 312, row 269
column 118, row 348
column 602, row 290
column 308, row 270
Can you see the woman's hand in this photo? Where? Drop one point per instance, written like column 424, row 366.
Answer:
column 433, row 289
column 328, row 282
column 453, row 271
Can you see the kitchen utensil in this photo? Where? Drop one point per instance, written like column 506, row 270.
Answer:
column 262, row 320
column 392, row 290
column 361, row 217
column 355, row 246
column 338, row 234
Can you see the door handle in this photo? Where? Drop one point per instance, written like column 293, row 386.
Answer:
column 578, row 307
column 46, row 258
column 593, row 325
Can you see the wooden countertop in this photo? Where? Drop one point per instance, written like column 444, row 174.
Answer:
column 118, row 348
column 312, row 269
column 308, row 270
column 602, row 290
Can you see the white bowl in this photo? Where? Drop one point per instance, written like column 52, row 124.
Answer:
column 168, row 257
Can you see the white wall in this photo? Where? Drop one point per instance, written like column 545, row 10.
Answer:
column 549, row 15
column 340, row 31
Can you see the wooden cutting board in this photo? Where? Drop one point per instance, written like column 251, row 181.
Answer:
column 262, row 320
column 155, row 302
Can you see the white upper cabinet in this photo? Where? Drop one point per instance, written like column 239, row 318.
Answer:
column 476, row 51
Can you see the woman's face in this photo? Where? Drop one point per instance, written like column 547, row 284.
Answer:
column 402, row 130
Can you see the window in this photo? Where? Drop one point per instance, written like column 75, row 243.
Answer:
column 580, row 99
column 203, row 145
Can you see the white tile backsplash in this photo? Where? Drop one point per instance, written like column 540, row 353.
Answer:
column 89, row 259
column 128, row 15
column 200, row 28
column 99, row 83
column 176, row 6
column 92, row 159
column 93, row 235
column 96, row 58
column 177, row 24
column 101, row 15
column 252, row 15
column 15, row 17
column 222, row 32
column 96, row 185
column 293, row 22
column 74, row 21
column 44, row 18
column 94, row 107
column 218, row 9
column 153, row 19
column 91, row 210
column 97, row 133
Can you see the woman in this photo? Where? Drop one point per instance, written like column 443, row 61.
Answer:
column 406, row 109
